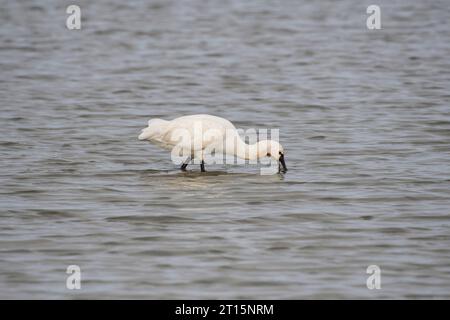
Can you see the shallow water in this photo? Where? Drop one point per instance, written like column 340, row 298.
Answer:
column 364, row 117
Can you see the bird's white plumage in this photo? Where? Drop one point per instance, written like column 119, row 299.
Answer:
column 164, row 133
column 206, row 132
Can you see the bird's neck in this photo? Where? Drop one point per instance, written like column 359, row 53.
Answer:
column 245, row 151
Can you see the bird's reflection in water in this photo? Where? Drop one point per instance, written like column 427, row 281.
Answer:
column 176, row 180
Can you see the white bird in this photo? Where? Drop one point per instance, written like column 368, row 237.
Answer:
column 194, row 135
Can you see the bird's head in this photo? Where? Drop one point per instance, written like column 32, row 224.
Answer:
column 273, row 149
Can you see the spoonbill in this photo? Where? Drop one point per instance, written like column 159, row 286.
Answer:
column 202, row 132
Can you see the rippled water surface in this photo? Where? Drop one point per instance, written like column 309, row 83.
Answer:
column 363, row 114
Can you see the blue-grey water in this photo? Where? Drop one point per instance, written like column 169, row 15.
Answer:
column 364, row 117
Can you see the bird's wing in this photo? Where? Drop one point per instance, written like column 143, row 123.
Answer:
column 189, row 132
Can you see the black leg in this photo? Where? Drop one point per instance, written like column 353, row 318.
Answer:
column 185, row 164
column 202, row 166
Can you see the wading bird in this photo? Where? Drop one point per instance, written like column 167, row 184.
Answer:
column 194, row 135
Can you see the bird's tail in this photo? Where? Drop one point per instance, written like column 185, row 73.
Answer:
column 155, row 129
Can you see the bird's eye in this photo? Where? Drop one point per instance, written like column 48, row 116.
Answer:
column 268, row 154
column 280, row 153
